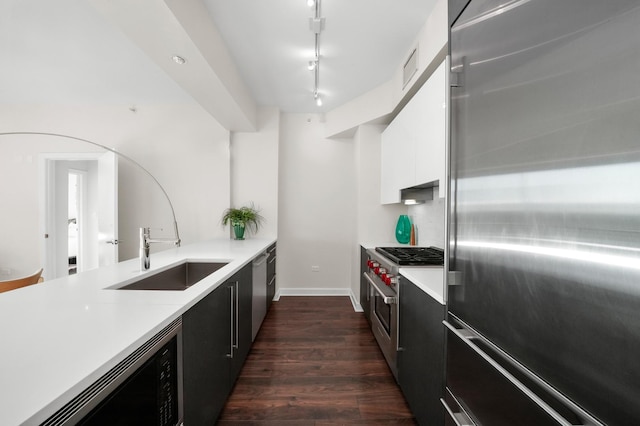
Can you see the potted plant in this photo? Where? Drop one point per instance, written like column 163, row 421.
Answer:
column 241, row 218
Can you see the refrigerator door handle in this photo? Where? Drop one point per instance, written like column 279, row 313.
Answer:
column 467, row 336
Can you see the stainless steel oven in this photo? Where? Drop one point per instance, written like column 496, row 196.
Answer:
column 382, row 274
column 384, row 312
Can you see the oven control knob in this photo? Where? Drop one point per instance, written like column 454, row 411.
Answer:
column 374, row 265
column 381, row 272
column 390, row 280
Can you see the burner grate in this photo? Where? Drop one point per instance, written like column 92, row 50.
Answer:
column 413, row 256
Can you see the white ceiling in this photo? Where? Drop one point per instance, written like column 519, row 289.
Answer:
column 65, row 51
column 364, row 42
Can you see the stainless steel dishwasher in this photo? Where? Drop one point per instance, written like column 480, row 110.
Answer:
column 259, row 293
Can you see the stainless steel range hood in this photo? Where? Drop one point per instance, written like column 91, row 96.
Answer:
column 418, row 194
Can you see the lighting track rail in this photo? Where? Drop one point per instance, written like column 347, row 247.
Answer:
column 316, row 24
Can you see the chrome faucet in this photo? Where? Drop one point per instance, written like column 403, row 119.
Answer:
column 145, row 246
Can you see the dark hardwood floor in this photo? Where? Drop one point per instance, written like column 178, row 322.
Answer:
column 315, row 362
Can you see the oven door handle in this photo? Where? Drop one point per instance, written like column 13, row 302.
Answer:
column 389, row 300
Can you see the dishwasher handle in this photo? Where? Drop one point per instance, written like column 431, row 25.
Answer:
column 259, row 261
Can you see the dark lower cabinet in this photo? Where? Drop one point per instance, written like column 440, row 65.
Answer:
column 365, row 293
column 216, row 335
column 421, row 354
column 271, row 275
column 243, row 293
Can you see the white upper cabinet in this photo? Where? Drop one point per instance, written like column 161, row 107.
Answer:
column 413, row 145
column 430, row 128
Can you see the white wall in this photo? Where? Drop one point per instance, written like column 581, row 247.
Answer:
column 254, row 169
column 180, row 144
column 316, row 206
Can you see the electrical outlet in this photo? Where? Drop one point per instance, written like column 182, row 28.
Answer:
column 315, row 269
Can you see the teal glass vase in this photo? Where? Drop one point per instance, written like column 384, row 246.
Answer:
column 403, row 229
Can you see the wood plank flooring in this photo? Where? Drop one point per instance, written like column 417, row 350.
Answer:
column 315, row 362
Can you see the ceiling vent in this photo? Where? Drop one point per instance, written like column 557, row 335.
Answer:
column 410, row 67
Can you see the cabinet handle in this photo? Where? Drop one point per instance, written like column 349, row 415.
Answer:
column 231, row 304
column 237, row 324
column 272, row 260
column 467, row 335
column 273, row 280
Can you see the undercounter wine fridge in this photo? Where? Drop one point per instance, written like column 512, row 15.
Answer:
column 543, row 322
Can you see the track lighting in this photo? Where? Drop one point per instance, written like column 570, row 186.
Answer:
column 316, row 24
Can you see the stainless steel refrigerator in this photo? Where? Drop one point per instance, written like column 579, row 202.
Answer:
column 543, row 319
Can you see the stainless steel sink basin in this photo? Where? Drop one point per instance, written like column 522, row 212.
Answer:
column 179, row 277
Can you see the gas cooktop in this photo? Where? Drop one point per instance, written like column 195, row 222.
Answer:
column 413, row 256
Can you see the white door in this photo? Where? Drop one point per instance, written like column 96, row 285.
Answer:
column 107, row 209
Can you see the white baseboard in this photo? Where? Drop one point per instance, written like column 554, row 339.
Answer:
column 320, row 292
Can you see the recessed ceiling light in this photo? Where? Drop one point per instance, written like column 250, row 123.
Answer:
column 178, row 59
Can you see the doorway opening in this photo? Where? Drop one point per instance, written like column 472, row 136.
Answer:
column 79, row 211
column 75, row 213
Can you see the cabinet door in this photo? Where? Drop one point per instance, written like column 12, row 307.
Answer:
column 243, row 282
column 365, row 300
column 206, row 334
column 431, row 129
column 413, row 148
column 396, row 161
column 421, row 355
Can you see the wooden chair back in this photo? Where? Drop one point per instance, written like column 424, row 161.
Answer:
column 20, row 282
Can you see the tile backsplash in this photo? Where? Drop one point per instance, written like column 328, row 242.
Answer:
column 428, row 219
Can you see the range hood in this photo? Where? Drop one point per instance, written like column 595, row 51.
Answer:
column 418, row 194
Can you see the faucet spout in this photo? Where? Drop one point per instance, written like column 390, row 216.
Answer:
column 145, row 246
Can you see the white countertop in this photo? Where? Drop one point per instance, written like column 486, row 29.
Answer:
column 58, row 337
column 429, row 279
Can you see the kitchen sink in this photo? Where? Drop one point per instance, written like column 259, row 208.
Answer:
column 179, row 277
